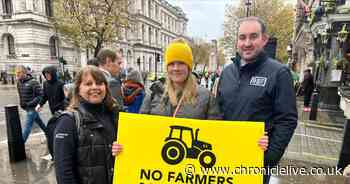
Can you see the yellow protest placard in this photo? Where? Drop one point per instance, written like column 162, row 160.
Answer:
column 159, row 149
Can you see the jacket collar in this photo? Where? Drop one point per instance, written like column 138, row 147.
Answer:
column 107, row 74
column 262, row 57
column 27, row 78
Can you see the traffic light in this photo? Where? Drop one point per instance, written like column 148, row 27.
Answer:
column 61, row 60
column 158, row 58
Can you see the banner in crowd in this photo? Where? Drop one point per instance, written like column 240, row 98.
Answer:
column 159, row 149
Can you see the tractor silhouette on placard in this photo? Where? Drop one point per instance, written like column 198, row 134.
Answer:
column 175, row 149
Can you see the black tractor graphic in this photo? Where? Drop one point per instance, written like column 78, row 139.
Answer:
column 175, row 149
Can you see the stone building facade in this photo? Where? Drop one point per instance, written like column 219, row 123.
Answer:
column 28, row 37
column 156, row 23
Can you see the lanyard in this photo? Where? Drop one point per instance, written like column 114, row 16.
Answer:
column 178, row 106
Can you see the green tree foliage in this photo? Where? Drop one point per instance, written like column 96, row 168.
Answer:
column 92, row 23
column 279, row 18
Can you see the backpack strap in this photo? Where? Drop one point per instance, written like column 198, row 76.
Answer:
column 77, row 118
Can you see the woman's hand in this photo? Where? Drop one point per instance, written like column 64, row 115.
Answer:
column 116, row 149
column 263, row 142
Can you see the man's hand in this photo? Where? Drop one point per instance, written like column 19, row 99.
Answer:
column 263, row 142
column 38, row 108
column 116, row 149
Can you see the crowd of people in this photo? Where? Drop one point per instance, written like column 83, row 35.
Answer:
column 82, row 133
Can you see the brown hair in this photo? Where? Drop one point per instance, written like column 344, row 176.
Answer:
column 104, row 54
column 99, row 77
column 256, row 19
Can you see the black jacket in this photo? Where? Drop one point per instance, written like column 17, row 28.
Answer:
column 29, row 92
column 308, row 85
column 53, row 91
column 261, row 91
column 84, row 155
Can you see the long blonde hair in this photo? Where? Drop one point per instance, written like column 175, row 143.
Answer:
column 189, row 91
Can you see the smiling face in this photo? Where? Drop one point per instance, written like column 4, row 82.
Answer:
column 251, row 40
column 178, row 72
column 92, row 91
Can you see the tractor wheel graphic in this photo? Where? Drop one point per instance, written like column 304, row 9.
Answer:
column 207, row 159
column 173, row 152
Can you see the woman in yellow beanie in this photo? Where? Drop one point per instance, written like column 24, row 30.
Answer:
column 182, row 96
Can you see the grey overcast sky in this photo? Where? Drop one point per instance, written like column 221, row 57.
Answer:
column 206, row 16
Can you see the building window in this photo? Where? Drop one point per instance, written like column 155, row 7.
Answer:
column 150, row 64
column 7, row 7
column 157, row 37
column 157, row 13
column 143, row 33
column 48, row 8
column 129, row 58
column 150, row 36
column 10, row 44
column 121, row 52
column 143, row 7
column 150, row 9
column 53, row 45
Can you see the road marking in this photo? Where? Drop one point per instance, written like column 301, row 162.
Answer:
column 320, row 138
column 31, row 135
column 314, row 155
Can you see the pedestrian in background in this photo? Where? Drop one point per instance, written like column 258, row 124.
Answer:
column 260, row 89
column 157, row 89
column 83, row 146
column 30, row 93
column 109, row 62
column 52, row 90
column 54, row 94
column 182, row 96
column 133, row 91
column 307, row 87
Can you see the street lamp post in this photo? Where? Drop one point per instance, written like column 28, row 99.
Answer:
column 138, row 64
column 248, row 3
column 156, row 61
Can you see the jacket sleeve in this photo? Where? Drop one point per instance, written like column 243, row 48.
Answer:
column 285, row 117
column 61, row 98
column 115, row 88
column 37, row 91
column 146, row 105
column 44, row 98
column 214, row 111
column 65, row 150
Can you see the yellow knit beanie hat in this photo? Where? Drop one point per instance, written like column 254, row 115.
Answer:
column 179, row 50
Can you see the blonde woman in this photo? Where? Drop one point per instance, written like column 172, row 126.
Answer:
column 182, row 96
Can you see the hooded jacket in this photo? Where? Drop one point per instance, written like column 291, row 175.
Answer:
column 53, row 90
column 29, row 91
